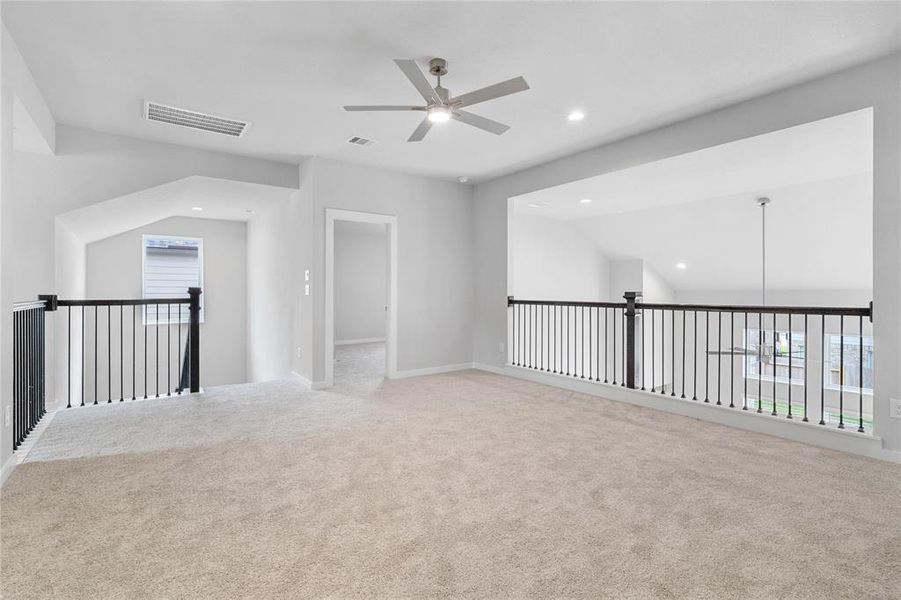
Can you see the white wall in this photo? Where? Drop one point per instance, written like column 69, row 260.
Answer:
column 361, row 281
column 114, row 270
column 18, row 92
column 876, row 84
column 552, row 260
column 435, row 258
column 271, row 294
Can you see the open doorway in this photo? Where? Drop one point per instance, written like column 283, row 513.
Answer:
column 360, row 297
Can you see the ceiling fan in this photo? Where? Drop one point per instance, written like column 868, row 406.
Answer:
column 441, row 107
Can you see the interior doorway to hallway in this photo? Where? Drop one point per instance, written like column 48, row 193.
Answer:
column 361, row 329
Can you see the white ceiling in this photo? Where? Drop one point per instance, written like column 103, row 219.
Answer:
column 826, row 149
column 289, row 67
column 218, row 199
column 700, row 209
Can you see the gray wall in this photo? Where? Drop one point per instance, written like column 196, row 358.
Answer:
column 874, row 84
column 114, row 269
column 361, row 281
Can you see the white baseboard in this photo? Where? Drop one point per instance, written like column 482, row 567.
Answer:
column 22, row 451
column 430, row 371
column 808, row 433
column 11, row 463
column 310, row 385
column 359, row 341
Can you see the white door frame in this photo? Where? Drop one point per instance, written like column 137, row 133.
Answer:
column 336, row 214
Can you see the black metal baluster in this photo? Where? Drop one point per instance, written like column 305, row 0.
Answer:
column 775, row 354
column 96, row 319
column 146, row 318
column 683, row 355
column 570, row 344
column 606, row 345
column 653, row 350
column 625, row 350
column 732, row 360
column 823, row 371
column 168, row 349
column 662, row 351
column 746, row 370
column 614, row 345
column 554, row 338
column 694, row 362
column 806, row 345
column 109, row 353
column 760, row 362
column 860, row 381
column 719, row 357
column 156, row 353
column 121, row 354
column 841, row 372
column 673, row 354
column 789, row 415
column 178, row 350
column 69, row 357
column 83, row 351
column 597, row 335
column 644, row 329
column 707, row 357
column 582, row 329
column 512, row 341
column 589, row 344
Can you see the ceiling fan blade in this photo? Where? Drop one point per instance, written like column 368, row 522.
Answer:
column 414, row 74
column 383, row 107
column 420, row 131
column 480, row 122
column 504, row 88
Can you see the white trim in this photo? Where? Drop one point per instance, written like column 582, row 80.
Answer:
column 335, row 214
column 19, row 456
column 8, row 467
column 431, row 371
column 305, row 382
column 359, row 341
column 795, row 430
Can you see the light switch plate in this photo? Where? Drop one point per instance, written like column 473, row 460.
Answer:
column 895, row 407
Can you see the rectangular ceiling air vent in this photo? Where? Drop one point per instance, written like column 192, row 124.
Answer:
column 154, row 111
column 359, row 141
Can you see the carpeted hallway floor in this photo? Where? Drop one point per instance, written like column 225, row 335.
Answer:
column 459, row 485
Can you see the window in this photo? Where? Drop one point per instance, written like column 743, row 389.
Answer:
column 171, row 266
column 767, row 359
column 850, row 365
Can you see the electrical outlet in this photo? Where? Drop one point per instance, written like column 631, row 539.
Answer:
column 299, row 352
column 306, row 289
column 895, row 408
column 7, row 417
column 500, row 347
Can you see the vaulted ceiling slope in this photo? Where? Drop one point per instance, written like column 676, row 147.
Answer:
column 288, row 68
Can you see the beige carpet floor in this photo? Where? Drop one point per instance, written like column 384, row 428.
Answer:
column 466, row 485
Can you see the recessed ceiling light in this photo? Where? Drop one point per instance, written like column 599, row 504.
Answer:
column 463, row 179
column 681, row 266
column 576, row 115
column 585, row 200
column 538, row 204
column 197, row 208
column 249, row 211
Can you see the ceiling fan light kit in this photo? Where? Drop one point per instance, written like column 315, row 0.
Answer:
column 440, row 106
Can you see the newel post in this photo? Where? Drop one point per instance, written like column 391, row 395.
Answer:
column 630, row 337
column 194, row 337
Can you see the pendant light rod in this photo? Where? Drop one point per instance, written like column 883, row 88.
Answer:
column 762, row 202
